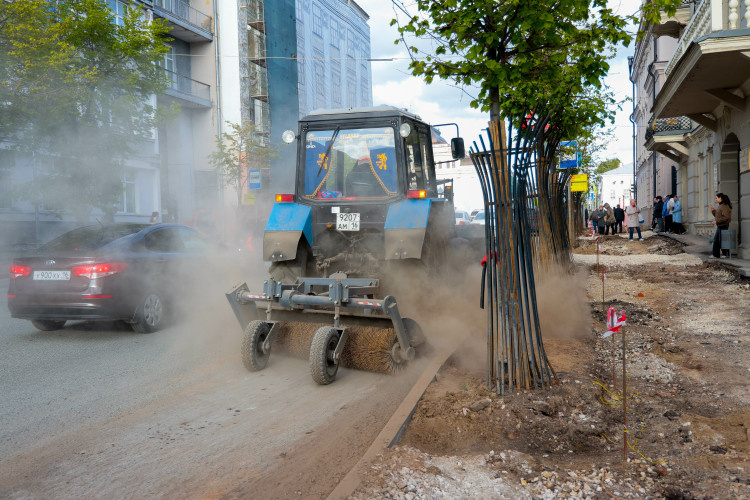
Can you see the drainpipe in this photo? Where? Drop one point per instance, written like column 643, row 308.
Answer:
column 635, row 185
column 217, row 67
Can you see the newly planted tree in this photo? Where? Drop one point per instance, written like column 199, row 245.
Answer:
column 238, row 150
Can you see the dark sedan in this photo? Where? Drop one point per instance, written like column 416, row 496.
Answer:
column 128, row 272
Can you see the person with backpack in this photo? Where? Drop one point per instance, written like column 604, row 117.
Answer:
column 666, row 213
column 619, row 218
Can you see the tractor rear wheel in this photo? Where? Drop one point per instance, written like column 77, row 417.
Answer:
column 323, row 367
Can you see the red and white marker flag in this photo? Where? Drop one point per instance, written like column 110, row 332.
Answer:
column 613, row 322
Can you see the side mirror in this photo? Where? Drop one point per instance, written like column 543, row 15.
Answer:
column 457, row 148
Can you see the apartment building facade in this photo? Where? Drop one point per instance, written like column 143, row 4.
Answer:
column 656, row 172
column 706, row 83
column 168, row 173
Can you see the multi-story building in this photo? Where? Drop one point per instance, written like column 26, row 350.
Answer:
column 296, row 56
column 706, row 82
column 169, row 173
column 655, row 170
column 189, row 186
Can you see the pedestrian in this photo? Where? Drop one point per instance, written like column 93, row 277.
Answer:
column 633, row 220
column 594, row 218
column 722, row 218
column 666, row 213
column 619, row 218
column 154, row 218
column 659, row 222
column 677, row 226
column 600, row 219
column 609, row 219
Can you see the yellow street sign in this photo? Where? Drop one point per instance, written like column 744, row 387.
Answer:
column 579, row 182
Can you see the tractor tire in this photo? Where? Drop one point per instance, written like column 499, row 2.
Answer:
column 150, row 315
column 322, row 366
column 289, row 270
column 48, row 325
column 253, row 356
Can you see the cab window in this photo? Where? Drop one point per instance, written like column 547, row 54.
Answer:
column 420, row 170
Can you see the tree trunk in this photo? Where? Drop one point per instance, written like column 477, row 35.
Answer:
column 494, row 104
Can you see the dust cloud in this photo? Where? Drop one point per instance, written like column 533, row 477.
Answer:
column 562, row 302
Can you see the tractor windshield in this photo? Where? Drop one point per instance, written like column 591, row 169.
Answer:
column 348, row 164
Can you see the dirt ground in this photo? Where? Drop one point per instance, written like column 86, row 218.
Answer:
column 688, row 399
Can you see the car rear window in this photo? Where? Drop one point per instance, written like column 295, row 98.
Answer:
column 90, row 237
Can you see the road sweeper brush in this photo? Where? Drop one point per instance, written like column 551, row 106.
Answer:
column 330, row 321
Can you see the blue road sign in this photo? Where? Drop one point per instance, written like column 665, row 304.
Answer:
column 253, row 179
column 570, row 159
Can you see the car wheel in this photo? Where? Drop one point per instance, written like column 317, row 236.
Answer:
column 149, row 317
column 47, row 325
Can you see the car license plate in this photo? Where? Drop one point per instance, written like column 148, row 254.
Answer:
column 52, row 275
column 347, row 222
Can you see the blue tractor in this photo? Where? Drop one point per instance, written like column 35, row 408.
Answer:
column 366, row 203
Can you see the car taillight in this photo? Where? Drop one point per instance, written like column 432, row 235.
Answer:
column 17, row 271
column 462, row 223
column 284, row 198
column 415, row 195
column 94, row 271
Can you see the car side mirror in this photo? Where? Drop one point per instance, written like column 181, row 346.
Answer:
column 457, row 148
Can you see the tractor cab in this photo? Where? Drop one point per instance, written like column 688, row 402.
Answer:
column 365, row 192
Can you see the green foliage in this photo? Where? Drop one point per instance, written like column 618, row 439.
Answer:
column 524, row 56
column 608, row 165
column 237, row 151
column 77, row 93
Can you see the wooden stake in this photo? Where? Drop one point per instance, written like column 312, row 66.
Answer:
column 624, row 399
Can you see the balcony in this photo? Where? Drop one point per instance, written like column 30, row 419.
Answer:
column 258, row 82
column 186, row 23
column 709, row 64
column 672, row 26
column 192, row 93
column 667, row 136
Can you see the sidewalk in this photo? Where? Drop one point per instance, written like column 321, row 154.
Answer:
column 700, row 247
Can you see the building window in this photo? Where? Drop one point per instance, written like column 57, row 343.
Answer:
column 351, row 92
column 320, row 82
column 335, row 34
column 351, row 46
column 127, row 200
column 317, row 27
column 118, row 9
column 335, row 88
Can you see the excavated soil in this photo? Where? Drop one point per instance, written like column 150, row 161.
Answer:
column 688, row 399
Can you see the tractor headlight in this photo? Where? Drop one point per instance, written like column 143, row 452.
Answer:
column 288, row 136
column 404, row 130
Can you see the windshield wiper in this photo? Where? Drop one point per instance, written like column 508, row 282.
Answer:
column 328, row 150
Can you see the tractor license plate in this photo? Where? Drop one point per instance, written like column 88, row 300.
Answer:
column 347, row 222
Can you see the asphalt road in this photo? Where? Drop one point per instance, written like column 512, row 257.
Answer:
column 95, row 410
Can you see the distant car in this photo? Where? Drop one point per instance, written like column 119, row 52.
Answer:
column 478, row 218
column 462, row 218
column 475, row 212
column 129, row 272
